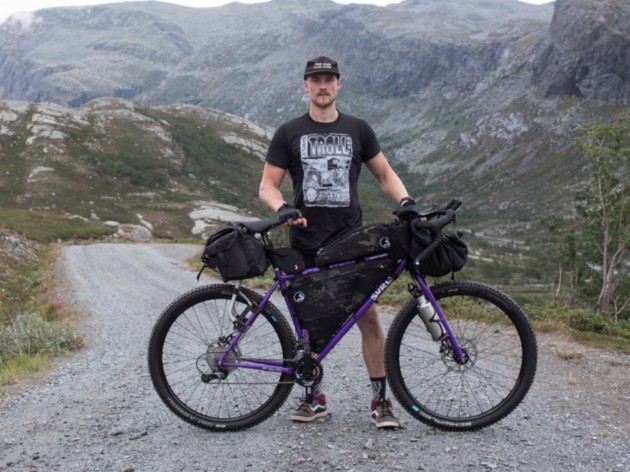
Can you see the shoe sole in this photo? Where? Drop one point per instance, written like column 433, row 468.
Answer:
column 386, row 424
column 308, row 419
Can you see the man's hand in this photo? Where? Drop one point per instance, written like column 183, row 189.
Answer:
column 407, row 209
column 291, row 216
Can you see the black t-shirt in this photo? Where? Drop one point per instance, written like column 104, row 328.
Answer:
column 324, row 161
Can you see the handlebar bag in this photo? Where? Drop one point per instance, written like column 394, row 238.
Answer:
column 235, row 253
column 325, row 299
column 366, row 241
column 449, row 256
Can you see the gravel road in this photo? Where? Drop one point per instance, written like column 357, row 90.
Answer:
column 97, row 411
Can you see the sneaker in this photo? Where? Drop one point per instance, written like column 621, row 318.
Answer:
column 310, row 411
column 383, row 416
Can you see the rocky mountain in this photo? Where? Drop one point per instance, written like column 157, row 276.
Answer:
column 247, row 59
column 167, row 171
column 476, row 99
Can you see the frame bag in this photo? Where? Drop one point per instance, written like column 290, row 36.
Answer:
column 235, row 253
column 325, row 299
column 365, row 241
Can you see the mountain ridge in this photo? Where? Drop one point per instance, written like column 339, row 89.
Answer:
column 177, row 56
column 477, row 100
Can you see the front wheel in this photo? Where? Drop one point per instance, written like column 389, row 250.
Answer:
column 498, row 368
column 194, row 331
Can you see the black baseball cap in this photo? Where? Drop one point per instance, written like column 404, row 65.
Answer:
column 321, row 65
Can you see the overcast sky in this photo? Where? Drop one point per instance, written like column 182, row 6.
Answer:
column 9, row 7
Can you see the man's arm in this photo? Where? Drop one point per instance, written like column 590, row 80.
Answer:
column 387, row 178
column 269, row 190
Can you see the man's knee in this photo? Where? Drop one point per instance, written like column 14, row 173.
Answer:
column 370, row 321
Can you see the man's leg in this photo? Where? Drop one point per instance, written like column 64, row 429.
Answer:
column 373, row 345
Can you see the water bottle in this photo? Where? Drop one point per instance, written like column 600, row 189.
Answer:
column 431, row 319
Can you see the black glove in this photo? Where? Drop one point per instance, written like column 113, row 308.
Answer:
column 287, row 212
column 407, row 209
column 405, row 201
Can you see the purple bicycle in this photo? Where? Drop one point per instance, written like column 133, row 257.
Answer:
column 460, row 355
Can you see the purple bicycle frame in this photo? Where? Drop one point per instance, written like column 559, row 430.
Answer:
column 276, row 365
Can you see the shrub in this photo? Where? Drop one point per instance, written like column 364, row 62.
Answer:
column 577, row 319
column 29, row 334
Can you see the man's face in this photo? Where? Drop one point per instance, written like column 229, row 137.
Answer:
column 322, row 89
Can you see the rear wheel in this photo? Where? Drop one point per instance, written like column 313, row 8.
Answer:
column 430, row 381
column 193, row 332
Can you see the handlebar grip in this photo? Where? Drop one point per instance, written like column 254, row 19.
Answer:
column 437, row 223
column 454, row 204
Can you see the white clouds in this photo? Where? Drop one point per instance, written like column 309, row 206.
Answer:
column 22, row 19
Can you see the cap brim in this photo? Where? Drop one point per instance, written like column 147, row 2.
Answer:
column 313, row 72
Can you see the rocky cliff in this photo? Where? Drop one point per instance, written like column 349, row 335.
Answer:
column 587, row 51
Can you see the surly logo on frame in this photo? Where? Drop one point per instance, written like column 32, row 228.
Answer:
column 381, row 288
column 326, row 160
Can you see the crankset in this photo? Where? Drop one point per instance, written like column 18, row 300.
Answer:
column 308, row 372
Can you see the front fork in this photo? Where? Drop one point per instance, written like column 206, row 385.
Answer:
column 434, row 320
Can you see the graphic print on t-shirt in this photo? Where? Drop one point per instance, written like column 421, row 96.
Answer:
column 326, row 160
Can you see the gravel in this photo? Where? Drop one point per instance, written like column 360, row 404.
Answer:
column 97, row 410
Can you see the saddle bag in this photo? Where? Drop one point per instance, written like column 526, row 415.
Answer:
column 235, row 253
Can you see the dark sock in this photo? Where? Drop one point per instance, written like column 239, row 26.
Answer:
column 379, row 388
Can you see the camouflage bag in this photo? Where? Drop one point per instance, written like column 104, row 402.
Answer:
column 324, row 300
column 393, row 239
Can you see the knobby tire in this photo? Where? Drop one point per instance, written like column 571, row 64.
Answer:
column 192, row 332
column 502, row 355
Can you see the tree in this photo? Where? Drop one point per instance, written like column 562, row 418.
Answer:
column 605, row 207
column 566, row 256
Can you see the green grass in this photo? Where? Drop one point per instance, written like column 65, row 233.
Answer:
column 34, row 324
column 30, row 334
column 23, row 366
column 49, row 227
column 579, row 324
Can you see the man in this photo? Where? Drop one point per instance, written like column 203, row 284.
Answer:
column 323, row 151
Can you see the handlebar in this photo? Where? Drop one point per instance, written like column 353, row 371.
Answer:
column 430, row 220
column 437, row 216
